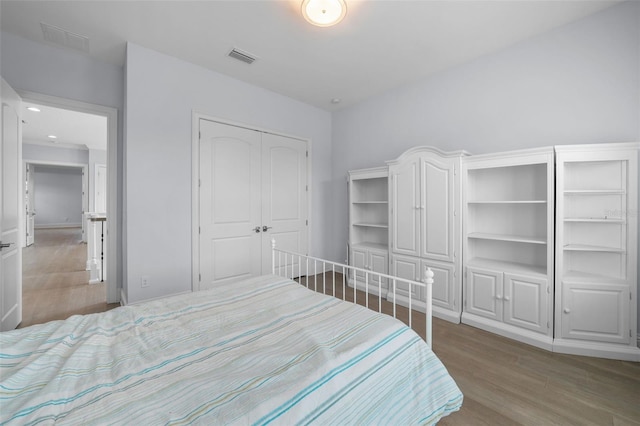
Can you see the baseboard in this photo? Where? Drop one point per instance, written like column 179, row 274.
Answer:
column 58, row 225
column 529, row 337
column 598, row 350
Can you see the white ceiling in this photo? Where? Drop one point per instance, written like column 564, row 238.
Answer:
column 73, row 129
column 380, row 45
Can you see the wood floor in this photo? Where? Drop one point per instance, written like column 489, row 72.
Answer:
column 55, row 284
column 504, row 382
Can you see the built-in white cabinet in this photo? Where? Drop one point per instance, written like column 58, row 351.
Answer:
column 369, row 227
column 596, row 250
column 425, row 224
column 508, row 244
column 537, row 245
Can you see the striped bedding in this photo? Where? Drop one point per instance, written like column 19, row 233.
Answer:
column 263, row 351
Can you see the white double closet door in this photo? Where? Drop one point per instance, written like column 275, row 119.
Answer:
column 252, row 189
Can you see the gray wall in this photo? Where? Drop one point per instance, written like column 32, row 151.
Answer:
column 162, row 92
column 58, row 196
column 576, row 84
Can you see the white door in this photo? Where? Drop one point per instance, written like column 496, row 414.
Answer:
column 10, row 202
column 405, row 207
column 526, row 302
column 284, row 198
column 443, row 288
column 484, row 293
column 598, row 312
column 436, row 204
column 253, row 188
column 230, row 203
column 409, row 269
column 30, row 203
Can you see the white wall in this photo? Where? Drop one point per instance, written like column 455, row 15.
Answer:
column 58, row 196
column 61, row 72
column 161, row 93
column 577, row 84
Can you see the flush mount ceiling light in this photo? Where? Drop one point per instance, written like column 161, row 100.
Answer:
column 324, row 13
column 34, row 109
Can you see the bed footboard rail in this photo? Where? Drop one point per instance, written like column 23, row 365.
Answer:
column 401, row 298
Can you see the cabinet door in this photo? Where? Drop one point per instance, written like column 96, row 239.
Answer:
column 378, row 262
column 408, row 268
column 526, row 302
column 359, row 260
column 443, row 283
column 437, row 209
column 484, row 293
column 595, row 312
column 405, row 206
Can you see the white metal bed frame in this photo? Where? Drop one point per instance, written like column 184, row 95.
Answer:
column 281, row 259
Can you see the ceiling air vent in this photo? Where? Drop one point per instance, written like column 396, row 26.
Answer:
column 245, row 57
column 65, row 38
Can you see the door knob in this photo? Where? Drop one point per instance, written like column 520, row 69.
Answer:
column 266, row 228
column 256, row 229
column 567, row 310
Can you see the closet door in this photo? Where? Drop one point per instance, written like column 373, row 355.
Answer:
column 284, row 198
column 405, row 205
column 437, row 219
column 230, row 203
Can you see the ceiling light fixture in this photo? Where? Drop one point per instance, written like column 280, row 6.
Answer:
column 34, row 109
column 324, row 13
column 52, row 137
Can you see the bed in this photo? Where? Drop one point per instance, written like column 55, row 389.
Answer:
column 265, row 350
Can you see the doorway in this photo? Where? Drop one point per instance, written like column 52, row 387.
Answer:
column 75, row 150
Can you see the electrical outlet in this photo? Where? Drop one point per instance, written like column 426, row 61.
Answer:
column 144, row 281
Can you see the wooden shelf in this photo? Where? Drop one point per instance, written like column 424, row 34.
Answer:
column 370, row 245
column 594, row 192
column 372, row 225
column 507, row 202
column 370, row 202
column 517, row 268
column 591, row 248
column 597, row 279
column 593, row 220
column 509, row 238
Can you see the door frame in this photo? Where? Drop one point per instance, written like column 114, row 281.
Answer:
column 114, row 264
column 196, row 116
column 85, row 180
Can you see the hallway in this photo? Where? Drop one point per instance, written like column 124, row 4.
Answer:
column 55, row 284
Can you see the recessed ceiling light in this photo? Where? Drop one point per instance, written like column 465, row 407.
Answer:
column 52, row 137
column 324, row 13
column 336, row 100
column 34, row 109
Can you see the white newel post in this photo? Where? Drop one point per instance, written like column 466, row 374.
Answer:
column 96, row 246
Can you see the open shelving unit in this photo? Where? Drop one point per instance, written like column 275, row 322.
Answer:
column 369, row 224
column 596, row 250
column 508, row 244
column 507, row 214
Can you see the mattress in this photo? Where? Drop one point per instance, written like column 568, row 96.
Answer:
column 261, row 351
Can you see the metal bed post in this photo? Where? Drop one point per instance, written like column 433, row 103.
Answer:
column 428, row 280
column 273, row 256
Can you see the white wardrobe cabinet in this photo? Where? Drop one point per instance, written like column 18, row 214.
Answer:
column 369, row 226
column 425, row 222
column 596, row 250
column 508, row 244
